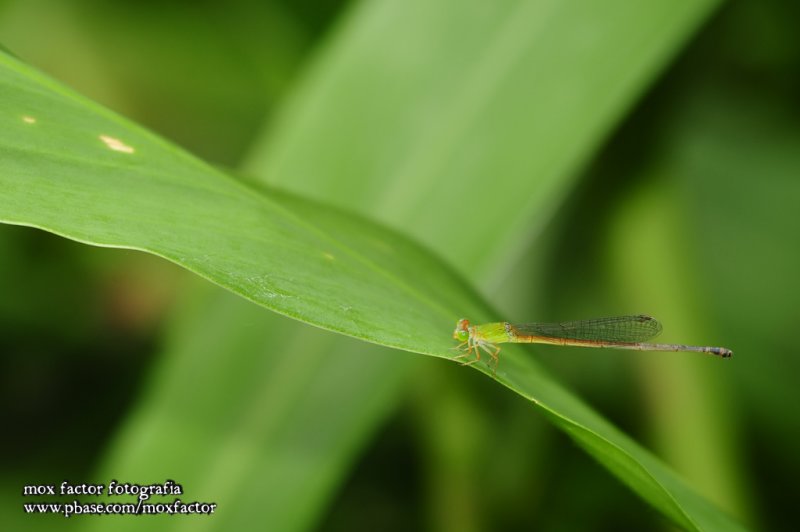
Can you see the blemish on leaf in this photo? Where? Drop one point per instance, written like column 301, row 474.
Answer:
column 116, row 144
column 328, row 255
column 29, row 119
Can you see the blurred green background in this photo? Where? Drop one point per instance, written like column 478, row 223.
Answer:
column 686, row 210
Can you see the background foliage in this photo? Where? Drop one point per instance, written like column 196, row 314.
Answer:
column 684, row 210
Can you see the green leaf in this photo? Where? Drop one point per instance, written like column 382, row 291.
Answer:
column 71, row 168
column 61, row 172
column 470, row 134
column 274, row 428
column 469, row 138
column 195, row 216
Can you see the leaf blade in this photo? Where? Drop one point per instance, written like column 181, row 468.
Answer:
column 432, row 335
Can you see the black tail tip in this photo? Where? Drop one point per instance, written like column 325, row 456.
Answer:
column 724, row 353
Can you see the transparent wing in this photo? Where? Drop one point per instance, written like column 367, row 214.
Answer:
column 625, row 329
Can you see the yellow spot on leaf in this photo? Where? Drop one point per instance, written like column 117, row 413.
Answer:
column 328, row 255
column 116, row 144
column 29, row 119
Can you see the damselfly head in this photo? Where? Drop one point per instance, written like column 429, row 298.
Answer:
column 462, row 330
